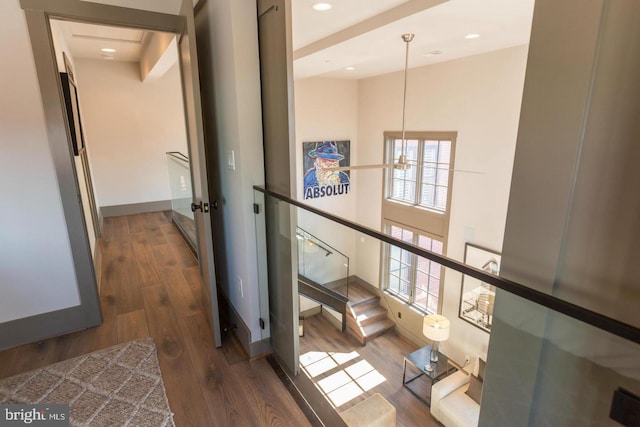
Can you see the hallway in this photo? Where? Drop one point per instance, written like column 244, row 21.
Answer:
column 150, row 286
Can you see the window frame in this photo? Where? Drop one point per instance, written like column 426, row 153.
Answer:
column 386, row 266
column 389, row 138
column 424, row 221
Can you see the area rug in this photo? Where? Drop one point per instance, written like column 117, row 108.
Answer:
column 117, row 386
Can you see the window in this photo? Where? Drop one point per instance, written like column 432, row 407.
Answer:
column 411, row 278
column 415, row 209
column 426, row 183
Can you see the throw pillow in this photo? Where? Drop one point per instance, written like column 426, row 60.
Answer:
column 481, row 365
column 475, row 388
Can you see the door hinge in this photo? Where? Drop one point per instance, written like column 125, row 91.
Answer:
column 261, row 323
column 256, row 208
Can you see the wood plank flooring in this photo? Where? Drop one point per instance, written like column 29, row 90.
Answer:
column 150, row 287
column 355, row 372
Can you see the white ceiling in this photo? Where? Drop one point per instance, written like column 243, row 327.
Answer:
column 366, row 34
column 87, row 40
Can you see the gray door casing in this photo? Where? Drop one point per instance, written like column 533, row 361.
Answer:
column 88, row 313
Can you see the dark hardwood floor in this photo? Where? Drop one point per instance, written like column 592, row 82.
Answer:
column 348, row 373
column 150, row 287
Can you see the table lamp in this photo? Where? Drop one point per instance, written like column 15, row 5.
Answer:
column 436, row 328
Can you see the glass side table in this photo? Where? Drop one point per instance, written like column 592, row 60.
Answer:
column 418, row 359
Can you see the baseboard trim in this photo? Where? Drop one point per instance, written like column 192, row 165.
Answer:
column 242, row 331
column 311, row 312
column 260, row 348
column 46, row 325
column 135, row 208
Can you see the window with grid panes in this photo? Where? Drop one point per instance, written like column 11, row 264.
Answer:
column 418, row 197
column 426, row 183
column 411, row 278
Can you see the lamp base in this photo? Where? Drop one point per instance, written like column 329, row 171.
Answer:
column 433, row 357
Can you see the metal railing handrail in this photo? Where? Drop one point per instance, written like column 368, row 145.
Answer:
column 324, row 245
column 597, row 320
column 178, row 155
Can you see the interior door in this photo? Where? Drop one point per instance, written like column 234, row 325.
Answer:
column 195, row 135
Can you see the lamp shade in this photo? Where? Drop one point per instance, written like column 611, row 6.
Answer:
column 435, row 327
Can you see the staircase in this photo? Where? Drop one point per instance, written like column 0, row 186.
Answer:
column 366, row 319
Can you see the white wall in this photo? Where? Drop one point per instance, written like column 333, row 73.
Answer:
column 128, row 127
column 479, row 97
column 36, row 267
column 327, row 110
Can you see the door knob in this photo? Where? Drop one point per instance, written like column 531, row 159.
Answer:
column 196, row 207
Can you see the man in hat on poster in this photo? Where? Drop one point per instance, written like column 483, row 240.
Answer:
column 320, row 182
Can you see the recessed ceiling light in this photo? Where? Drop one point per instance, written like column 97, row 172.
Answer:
column 433, row 53
column 350, row 68
column 107, row 49
column 472, row 36
column 322, row 6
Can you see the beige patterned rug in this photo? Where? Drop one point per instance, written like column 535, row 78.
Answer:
column 117, row 386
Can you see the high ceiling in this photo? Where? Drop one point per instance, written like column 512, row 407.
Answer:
column 362, row 34
column 366, row 34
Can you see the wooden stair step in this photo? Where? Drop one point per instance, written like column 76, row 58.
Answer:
column 363, row 306
column 377, row 328
column 372, row 315
column 358, row 293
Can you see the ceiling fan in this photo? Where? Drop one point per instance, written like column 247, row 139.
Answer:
column 403, row 163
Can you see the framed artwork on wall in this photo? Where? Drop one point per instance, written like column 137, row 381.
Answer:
column 71, row 103
column 477, row 297
column 318, row 155
column 73, row 113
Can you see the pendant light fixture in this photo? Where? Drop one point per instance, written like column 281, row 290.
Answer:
column 402, row 163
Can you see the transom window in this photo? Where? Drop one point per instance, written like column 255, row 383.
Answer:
column 426, row 183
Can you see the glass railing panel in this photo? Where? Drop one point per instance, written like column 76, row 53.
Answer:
column 547, row 362
column 181, row 195
column 263, row 268
column 322, row 263
column 547, row 369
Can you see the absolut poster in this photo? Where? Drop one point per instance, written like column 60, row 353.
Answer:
column 317, row 158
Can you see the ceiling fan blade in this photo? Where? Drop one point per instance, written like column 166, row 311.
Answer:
column 434, row 165
column 361, row 167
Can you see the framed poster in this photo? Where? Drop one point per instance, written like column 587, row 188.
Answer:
column 316, row 157
column 477, row 297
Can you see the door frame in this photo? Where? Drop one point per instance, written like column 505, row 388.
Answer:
column 38, row 13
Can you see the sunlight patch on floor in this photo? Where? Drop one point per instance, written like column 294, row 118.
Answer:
column 341, row 383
